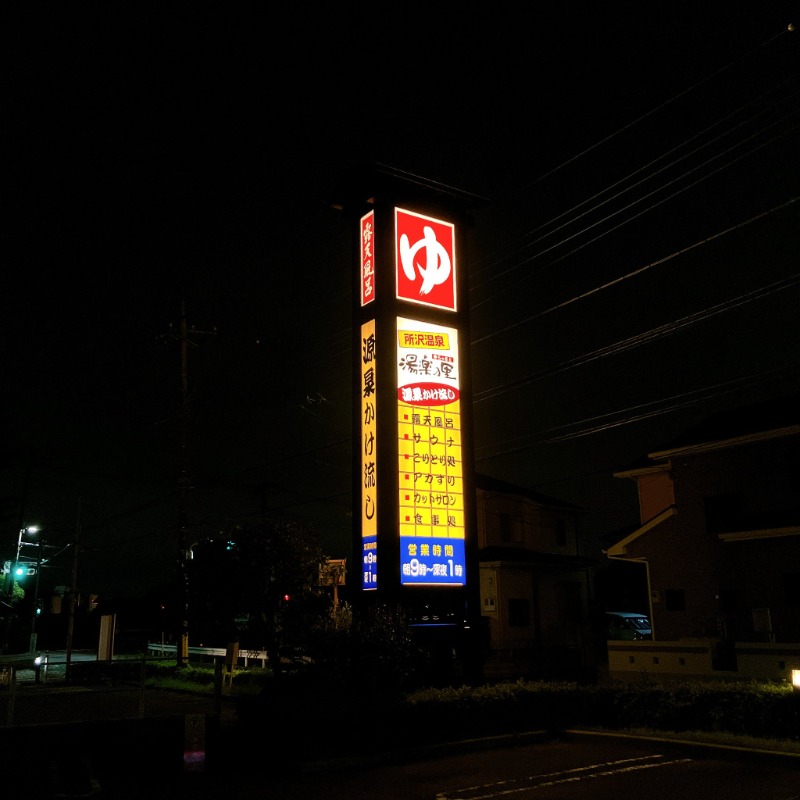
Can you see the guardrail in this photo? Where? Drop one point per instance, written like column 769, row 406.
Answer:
column 209, row 653
column 48, row 668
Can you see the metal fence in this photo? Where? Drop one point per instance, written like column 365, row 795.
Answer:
column 56, row 691
column 244, row 658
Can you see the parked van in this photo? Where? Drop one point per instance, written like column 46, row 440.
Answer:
column 627, row 626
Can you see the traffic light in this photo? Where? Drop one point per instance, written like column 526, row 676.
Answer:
column 38, row 608
column 21, row 569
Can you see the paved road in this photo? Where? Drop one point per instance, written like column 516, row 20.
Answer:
column 134, row 743
column 123, row 737
column 572, row 768
column 133, row 758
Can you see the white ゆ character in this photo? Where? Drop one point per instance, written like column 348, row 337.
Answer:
column 437, row 267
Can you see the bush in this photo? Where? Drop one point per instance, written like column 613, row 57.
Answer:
column 745, row 709
column 305, row 713
column 310, row 716
column 200, row 678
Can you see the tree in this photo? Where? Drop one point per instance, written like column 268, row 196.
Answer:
column 369, row 654
column 9, row 585
column 266, row 572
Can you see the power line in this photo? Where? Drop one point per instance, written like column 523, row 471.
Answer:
column 625, row 221
column 636, row 413
column 658, row 108
column 636, row 272
column 497, row 275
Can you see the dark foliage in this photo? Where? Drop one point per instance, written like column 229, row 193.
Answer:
column 256, row 586
column 328, row 724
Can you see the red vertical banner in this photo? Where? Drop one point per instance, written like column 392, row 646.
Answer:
column 367, row 258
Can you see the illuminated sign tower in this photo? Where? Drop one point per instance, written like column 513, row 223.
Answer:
column 414, row 489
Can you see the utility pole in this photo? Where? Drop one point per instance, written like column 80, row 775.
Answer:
column 73, row 588
column 11, row 578
column 35, row 612
column 182, row 643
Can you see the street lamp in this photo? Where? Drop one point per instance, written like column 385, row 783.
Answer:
column 32, row 530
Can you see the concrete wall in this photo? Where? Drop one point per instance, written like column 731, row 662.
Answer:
column 693, row 659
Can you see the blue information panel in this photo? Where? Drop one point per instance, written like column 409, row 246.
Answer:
column 432, row 560
column 369, row 562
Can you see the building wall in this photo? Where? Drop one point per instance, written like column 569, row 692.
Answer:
column 533, row 600
column 656, row 493
column 515, row 521
column 761, row 588
column 726, row 564
column 517, row 609
column 681, row 586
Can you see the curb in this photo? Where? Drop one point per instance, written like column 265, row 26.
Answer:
column 430, row 751
column 465, row 746
column 691, row 744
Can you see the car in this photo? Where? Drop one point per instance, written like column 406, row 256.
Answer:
column 628, row 626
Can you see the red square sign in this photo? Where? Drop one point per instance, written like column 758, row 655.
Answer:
column 426, row 260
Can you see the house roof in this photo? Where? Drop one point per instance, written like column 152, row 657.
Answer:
column 759, row 418
column 521, row 555
column 490, row 484
column 765, row 419
column 620, row 548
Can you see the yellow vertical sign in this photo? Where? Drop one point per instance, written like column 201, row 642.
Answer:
column 369, row 475
column 431, row 490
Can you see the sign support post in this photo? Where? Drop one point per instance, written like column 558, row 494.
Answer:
column 414, row 484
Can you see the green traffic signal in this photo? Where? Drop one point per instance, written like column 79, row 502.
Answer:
column 20, row 570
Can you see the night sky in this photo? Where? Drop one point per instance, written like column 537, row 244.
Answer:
column 635, row 267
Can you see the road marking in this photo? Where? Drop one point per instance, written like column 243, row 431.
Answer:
column 547, row 779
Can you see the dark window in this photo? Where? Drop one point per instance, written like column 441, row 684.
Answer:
column 505, row 528
column 723, row 512
column 792, row 466
column 561, row 533
column 519, row 613
column 674, row 600
column 570, row 606
column 731, row 600
column 791, row 588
